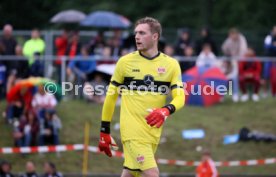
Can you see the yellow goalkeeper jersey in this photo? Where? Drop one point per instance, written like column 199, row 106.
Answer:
column 144, row 84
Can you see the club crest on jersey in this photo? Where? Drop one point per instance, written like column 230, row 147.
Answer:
column 140, row 158
column 161, row 70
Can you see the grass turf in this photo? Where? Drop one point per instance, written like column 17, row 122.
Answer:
column 217, row 121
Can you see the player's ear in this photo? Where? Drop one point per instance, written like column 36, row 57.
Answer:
column 155, row 36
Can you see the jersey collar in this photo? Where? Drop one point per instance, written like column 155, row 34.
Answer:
column 149, row 58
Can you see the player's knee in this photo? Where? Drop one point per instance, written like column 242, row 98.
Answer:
column 153, row 172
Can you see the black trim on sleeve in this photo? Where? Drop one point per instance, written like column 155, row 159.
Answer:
column 175, row 86
column 105, row 127
column 117, row 84
column 170, row 107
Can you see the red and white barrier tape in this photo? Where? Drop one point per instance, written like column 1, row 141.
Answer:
column 41, row 149
column 76, row 147
column 196, row 163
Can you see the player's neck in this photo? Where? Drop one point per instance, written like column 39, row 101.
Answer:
column 150, row 53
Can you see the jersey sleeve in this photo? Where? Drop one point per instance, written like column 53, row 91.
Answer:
column 118, row 76
column 178, row 93
column 113, row 92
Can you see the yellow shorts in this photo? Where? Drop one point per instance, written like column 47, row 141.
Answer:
column 139, row 156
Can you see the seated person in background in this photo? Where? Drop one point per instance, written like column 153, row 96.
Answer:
column 37, row 67
column 106, row 57
column 3, row 71
column 30, row 170
column 42, row 101
column 82, row 66
column 99, row 85
column 19, row 69
column 272, row 71
column 169, row 50
column 26, row 133
column 5, row 169
column 188, row 62
column 206, row 57
column 249, row 74
column 207, row 167
column 50, row 170
column 230, row 68
column 19, row 101
column 49, row 128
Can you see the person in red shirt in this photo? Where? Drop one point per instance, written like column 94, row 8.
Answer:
column 207, row 167
column 19, row 100
column 61, row 43
column 250, row 74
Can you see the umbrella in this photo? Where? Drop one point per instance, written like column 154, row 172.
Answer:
column 68, row 16
column 105, row 19
column 201, row 85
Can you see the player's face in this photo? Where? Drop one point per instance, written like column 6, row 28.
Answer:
column 144, row 38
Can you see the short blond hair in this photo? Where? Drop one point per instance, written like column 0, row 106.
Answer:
column 154, row 24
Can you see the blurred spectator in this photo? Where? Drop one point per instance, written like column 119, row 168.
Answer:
column 235, row 47
column 7, row 47
column 129, row 44
column 20, row 71
column 207, row 167
column 8, row 40
column 33, row 46
column 183, row 42
column 50, row 170
column 49, row 128
column 82, row 66
column 230, row 69
column 270, row 43
column 97, row 44
column 42, row 101
column 161, row 44
column 116, row 44
column 269, row 69
column 169, row 50
column 30, row 170
column 189, row 57
column 26, row 133
column 74, row 45
column 206, row 57
column 19, row 101
column 273, row 78
column 3, row 70
column 99, row 85
column 61, row 43
column 73, row 49
column 5, row 170
column 37, row 68
column 8, row 43
column 106, row 56
column 205, row 38
column 22, row 67
column 250, row 74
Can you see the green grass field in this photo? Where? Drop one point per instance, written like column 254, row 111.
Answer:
column 217, row 121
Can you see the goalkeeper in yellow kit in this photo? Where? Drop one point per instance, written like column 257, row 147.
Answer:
column 144, row 79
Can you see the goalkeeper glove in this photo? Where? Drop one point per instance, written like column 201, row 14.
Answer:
column 106, row 143
column 158, row 116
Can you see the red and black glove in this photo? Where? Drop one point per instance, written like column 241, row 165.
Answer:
column 106, row 143
column 158, row 116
